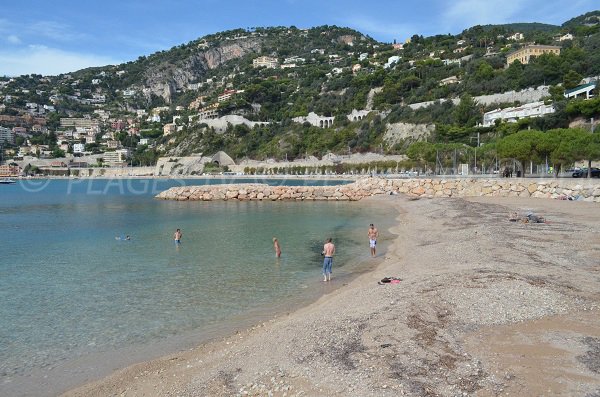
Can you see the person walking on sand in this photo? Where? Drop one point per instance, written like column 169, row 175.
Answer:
column 277, row 247
column 177, row 236
column 373, row 233
column 328, row 252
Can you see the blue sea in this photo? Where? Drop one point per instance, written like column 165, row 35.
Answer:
column 77, row 301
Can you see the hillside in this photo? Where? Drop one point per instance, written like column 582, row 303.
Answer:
column 267, row 92
column 524, row 27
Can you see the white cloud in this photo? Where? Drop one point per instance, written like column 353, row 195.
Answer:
column 13, row 39
column 54, row 30
column 43, row 60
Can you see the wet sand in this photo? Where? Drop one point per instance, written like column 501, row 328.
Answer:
column 486, row 307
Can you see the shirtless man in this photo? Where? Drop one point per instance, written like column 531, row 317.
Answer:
column 328, row 252
column 177, row 236
column 373, row 233
column 277, row 247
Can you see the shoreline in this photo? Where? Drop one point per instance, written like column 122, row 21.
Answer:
column 331, row 346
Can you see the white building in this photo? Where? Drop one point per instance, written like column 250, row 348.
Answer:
column 512, row 114
column 78, row 148
column 391, row 61
column 516, row 37
column 116, row 158
column 581, row 91
column 295, row 60
column 7, row 135
column 567, row 36
column 266, row 62
column 450, row 80
column 357, row 115
column 316, row 120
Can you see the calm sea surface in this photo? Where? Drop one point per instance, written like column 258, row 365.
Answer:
column 76, row 303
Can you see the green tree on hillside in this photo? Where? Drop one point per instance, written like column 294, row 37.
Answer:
column 466, row 112
column 571, row 79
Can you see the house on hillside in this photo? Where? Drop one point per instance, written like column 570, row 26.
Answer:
column 516, row 37
column 524, row 54
column 567, row 36
column 169, row 128
column 391, row 61
column 449, row 80
column 581, row 91
column 513, row 114
column 265, row 62
column 226, row 95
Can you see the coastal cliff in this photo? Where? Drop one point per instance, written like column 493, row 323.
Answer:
column 565, row 189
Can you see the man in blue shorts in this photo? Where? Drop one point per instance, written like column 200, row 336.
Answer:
column 328, row 252
column 177, row 236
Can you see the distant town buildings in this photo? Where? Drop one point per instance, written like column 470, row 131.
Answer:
column 524, row 54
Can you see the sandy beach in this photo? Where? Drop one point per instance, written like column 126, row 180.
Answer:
column 486, row 307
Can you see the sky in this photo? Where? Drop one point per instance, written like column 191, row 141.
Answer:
column 60, row 36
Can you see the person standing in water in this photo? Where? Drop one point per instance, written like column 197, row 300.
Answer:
column 177, row 236
column 373, row 233
column 277, row 247
column 328, row 252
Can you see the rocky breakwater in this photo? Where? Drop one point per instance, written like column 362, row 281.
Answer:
column 245, row 191
column 427, row 187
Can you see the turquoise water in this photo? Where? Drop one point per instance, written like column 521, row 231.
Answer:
column 70, row 291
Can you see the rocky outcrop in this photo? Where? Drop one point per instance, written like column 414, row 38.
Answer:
column 405, row 132
column 176, row 166
column 554, row 189
column 165, row 78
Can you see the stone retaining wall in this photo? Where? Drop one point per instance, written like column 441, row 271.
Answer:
column 579, row 189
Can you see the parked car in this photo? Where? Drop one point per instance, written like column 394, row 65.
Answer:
column 583, row 173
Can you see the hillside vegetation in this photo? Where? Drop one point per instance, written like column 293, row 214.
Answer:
column 326, row 70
